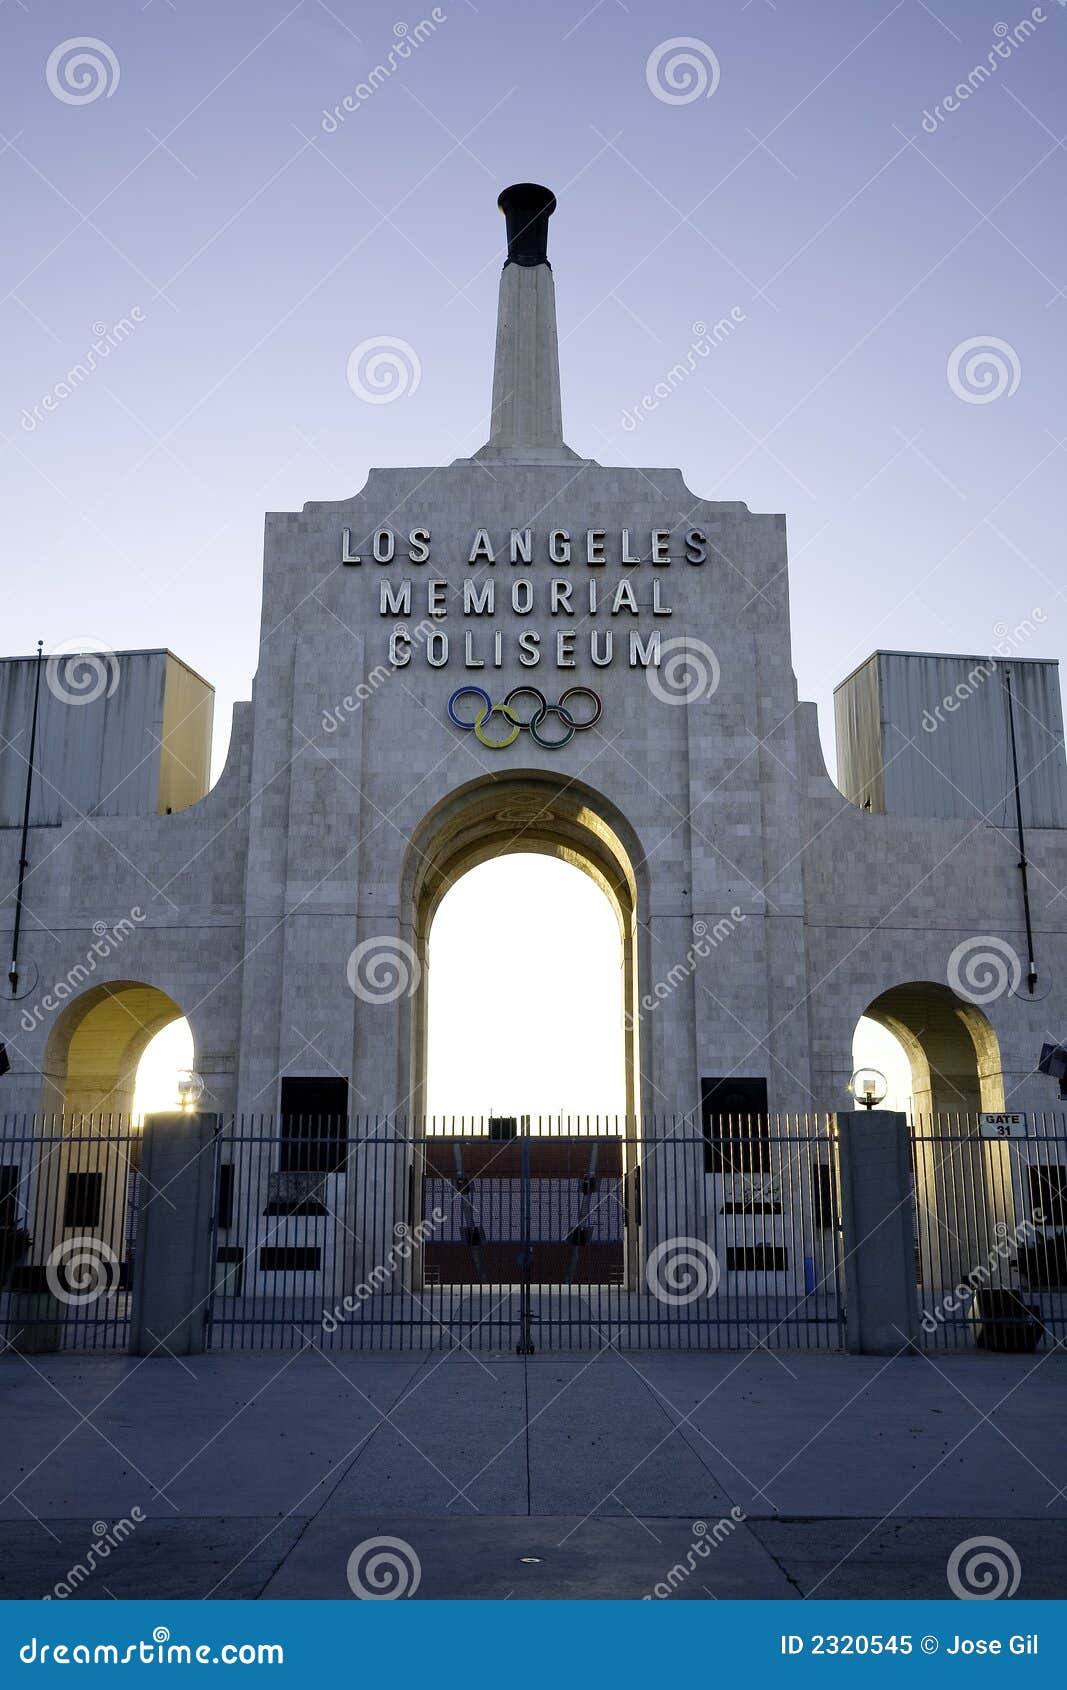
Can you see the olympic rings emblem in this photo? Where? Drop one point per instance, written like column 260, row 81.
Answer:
column 540, row 714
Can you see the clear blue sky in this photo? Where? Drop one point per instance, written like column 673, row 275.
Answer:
column 260, row 249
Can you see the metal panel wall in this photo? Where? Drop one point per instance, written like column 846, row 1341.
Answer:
column 858, row 729
column 938, row 743
column 102, row 717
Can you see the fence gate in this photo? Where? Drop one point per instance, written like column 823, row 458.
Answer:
column 522, row 1235
column 991, row 1230
column 68, row 1205
column 519, row 1235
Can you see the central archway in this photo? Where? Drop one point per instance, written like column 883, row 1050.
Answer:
column 525, row 811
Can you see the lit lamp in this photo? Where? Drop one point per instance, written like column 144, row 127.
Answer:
column 190, row 1089
column 868, row 1087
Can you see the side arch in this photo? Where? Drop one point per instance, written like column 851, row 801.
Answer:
column 94, row 1048
column 951, row 1046
column 960, row 1183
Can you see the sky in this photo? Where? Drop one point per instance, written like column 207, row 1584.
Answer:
column 891, row 270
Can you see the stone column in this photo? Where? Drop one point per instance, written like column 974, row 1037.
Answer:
column 878, row 1223
column 173, row 1269
column 527, row 423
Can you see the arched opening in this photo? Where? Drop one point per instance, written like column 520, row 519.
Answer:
column 510, row 1199
column 951, row 1049
column 82, row 1202
column 522, row 814
column 947, row 1055
column 95, row 1049
column 524, row 1004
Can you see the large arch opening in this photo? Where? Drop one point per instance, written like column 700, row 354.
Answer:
column 540, row 1200
column 524, row 1005
column 525, row 814
column 95, row 1049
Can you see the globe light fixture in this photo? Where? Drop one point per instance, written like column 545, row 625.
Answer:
column 190, row 1089
column 868, row 1087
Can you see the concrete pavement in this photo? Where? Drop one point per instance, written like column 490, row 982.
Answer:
column 559, row 1476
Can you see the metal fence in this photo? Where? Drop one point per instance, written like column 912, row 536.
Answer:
column 991, row 1231
column 561, row 1234
column 68, row 1205
column 526, row 1234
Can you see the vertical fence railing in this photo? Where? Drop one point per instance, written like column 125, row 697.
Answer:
column 991, row 1228
column 509, row 1234
column 487, row 1233
column 774, row 1187
column 560, row 1233
column 284, row 1232
column 68, row 1203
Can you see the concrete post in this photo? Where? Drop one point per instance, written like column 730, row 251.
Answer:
column 527, row 419
column 172, row 1272
column 878, row 1224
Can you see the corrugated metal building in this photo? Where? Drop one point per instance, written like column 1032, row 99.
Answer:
column 927, row 734
column 118, row 734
